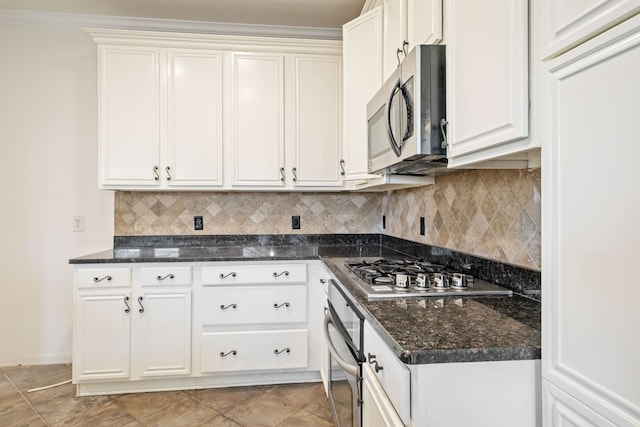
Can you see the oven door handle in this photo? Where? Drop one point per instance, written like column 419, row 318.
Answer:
column 348, row 368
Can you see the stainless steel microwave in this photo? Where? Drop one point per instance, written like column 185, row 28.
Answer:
column 406, row 117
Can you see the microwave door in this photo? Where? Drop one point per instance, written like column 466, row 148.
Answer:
column 393, row 116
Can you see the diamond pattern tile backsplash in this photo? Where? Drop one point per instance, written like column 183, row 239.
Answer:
column 160, row 213
column 488, row 213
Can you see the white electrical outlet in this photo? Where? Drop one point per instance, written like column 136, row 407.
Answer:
column 78, row 223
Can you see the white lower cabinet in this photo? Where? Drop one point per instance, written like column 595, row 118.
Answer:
column 254, row 350
column 168, row 326
column 377, row 409
column 131, row 323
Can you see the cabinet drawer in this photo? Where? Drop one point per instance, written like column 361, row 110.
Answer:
column 247, row 351
column 237, row 305
column 103, row 277
column 159, row 275
column 254, row 274
column 394, row 376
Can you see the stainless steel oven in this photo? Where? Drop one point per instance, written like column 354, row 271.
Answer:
column 343, row 329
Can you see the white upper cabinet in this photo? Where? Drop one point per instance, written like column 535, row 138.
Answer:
column 317, row 120
column 160, row 117
column 285, row 120
column 162, row 125
column 129, row 116
column 257, row 118
column 408, row 23
column 487, row 78
column 362, row 55
column 570, row 22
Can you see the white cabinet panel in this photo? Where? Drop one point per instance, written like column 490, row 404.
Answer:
column 562, row 410
column 162, row 275
column 377, row 410
column 570, row 22
column 257, row 114
column 424, row 22
column 487, row 75
column 254, row 350
column 101, row 277
column 362, row 56
column 591, row 351
column 162, row 340
column 268, row 273
column 318, row 118
column 239, row 305
column 101, row 335
column 129, row 116
column 194, row 122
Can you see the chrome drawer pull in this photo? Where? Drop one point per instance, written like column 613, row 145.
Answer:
column 169, row 276
column 282, row 174
column 141, row 306
column 168, row 169
column 224, row 276
column 127, row 304
column 98, row 280
column 276, row 351
column 286, row 273
column 232, row 352
column 155, row 172
column 371, row 358
column 224, row 307
column 285, row 304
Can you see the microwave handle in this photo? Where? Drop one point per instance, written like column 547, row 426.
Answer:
column 392, row 140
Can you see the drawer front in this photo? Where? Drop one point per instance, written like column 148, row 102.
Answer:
column 252, row 351
column 162, row 276
column 103, row 277
column 241, row 305
column 394, row 376
column 254, row 274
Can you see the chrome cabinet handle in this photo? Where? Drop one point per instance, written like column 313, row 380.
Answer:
column 405, row 44
column 295, row 174
column 232, row 352
column 282, row 174
column 276, row 351
column 141, row 306
column 371, row 358
column 323, row 281
column 98, row 280
column 286, row 273
column 128, row 309
column 224, row 276
column 168, row 276
column 155, row 172
column 398, row 52
column 285, row 304
column 168, row 169
column 224, row 307
column 342, row 172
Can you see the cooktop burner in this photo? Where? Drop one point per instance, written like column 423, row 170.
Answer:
column 391, row 278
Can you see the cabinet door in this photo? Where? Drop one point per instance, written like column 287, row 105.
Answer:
column 395, row 33
column 317, row 138
column 570, row 22
column 377, row 410
column 129, row 116
column 101, row 335
column 162, row 340
column 257, row 118
column 592, row 207
column 424, row 22
column 194, row 118
column 487, row 74
column 362, row 56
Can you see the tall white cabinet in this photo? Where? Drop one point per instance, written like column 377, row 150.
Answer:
column 591, row 239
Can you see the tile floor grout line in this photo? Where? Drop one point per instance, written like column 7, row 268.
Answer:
column 26, row 400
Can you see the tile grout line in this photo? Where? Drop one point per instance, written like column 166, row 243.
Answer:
column 26, row 400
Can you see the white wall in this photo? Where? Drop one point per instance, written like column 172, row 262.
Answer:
column 48, row 173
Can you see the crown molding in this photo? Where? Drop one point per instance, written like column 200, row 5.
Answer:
column 8, row 16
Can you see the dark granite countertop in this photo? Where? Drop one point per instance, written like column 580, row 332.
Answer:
column 423, row 330
column 451, row 329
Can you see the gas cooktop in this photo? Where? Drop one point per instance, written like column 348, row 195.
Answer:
column 393, row 278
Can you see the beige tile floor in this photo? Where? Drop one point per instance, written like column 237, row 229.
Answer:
column 277, row 405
